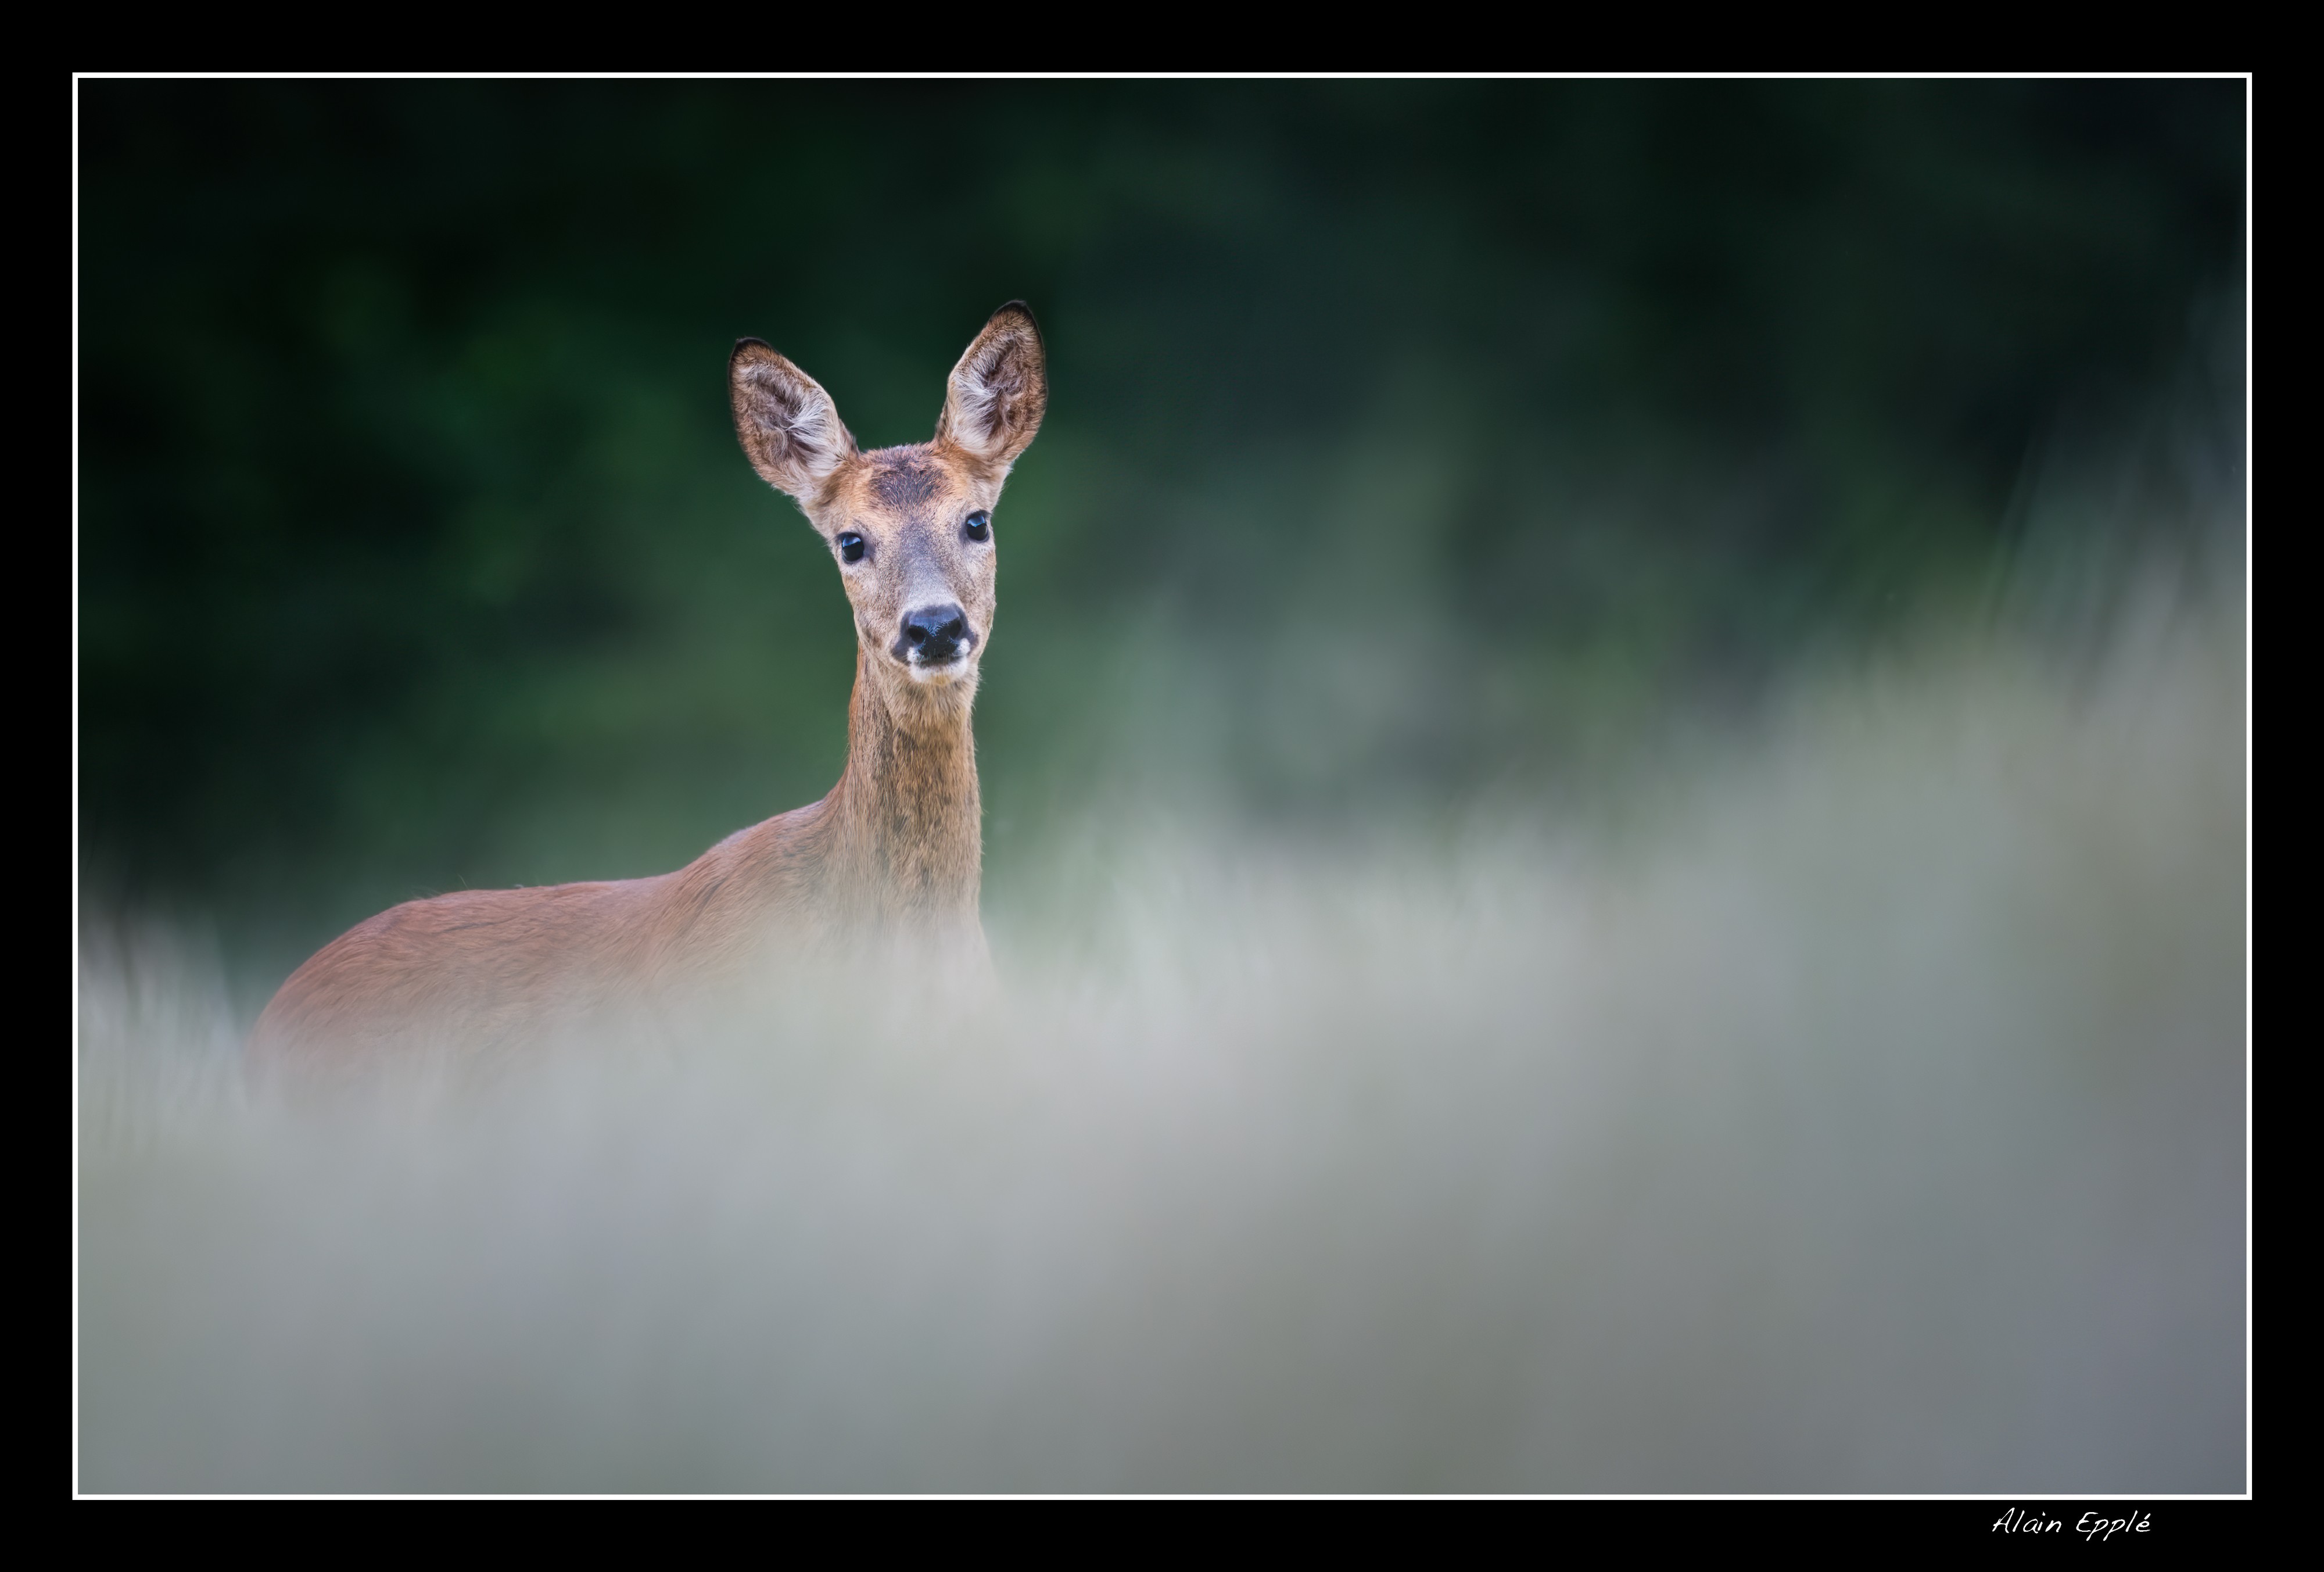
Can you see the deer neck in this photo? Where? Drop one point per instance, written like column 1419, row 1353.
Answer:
column 908, row 818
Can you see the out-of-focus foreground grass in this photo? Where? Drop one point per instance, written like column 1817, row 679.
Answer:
column 1868, row 1115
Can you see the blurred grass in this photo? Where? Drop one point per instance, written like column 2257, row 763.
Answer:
column 1409, row 440
column 1872, row 1119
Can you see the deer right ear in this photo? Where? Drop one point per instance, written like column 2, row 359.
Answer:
column 995, row 398
column 788, row 425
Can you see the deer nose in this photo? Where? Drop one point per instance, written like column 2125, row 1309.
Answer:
column 936, row 631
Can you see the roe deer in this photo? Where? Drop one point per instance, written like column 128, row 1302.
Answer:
column 895, row 848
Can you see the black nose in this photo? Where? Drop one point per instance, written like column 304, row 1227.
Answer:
column 936, row 631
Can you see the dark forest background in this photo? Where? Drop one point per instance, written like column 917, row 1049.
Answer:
column 1408, row 441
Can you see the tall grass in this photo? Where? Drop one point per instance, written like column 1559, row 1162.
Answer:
column 1863, row 1110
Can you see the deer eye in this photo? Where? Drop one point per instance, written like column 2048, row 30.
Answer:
column 851, row 546
column 980, row 526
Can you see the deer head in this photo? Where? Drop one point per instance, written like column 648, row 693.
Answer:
column 911, row 527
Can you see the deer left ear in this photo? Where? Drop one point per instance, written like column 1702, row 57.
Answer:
column 787, row 424
column 999, row 391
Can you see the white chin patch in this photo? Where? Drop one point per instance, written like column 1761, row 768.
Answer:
column 951, row 672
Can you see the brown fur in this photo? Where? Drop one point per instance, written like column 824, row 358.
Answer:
column 895, row 848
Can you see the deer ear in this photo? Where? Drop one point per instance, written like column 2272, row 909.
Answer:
column 998, row 392
column 788, row 425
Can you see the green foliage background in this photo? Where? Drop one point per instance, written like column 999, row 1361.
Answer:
column 1407, row 439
